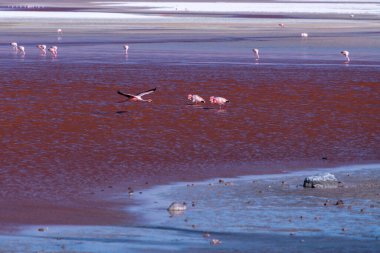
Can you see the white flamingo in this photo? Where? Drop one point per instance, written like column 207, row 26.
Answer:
column 126, row 47
column 304, row 35
column 42, row 49
column 21, row 50
column 53, row 50
column 219, row 100
column 195, row 98
column 346, row 54
column 138, row 97
column 59, row 31
column 256, row 53
column 14, row 45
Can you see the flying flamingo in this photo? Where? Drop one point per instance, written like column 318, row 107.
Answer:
column 54, row 51
column 256, row 53
column 346, row 53
column 195, row 98
column 138, row 97
column 21, row 50
column 126, row 47
column 219, row 100
column 42, row 49
column 14, row 45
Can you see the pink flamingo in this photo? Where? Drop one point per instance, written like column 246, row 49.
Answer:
column 54, row 51
column 138, row 97
column 219, row 100
column 346, row 53
column 282, row 25
column 256, row 53
column 195, row 99
column 59, row 31
column 126, row 47
column 42, row 49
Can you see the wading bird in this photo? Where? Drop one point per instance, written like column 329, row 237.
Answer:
column 59, row 31
column 256, row 53
column 54, row 51
column 21, row 50
column 138, row 97
column 304, row 35
column 195, row 99
column 126, row 47
column 346, row 53
column 42, row 49
column 14, row 45
column 218, row 100
column 282, row 25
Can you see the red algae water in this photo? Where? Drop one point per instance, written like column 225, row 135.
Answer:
column 66, row 133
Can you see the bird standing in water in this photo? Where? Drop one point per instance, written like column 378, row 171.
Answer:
column 256, row 53
column 218, row 100
column 42, row 49
column 346, row 53
column 14, row 45
column 21, row 50
column 195, row 98
column 54, row 51
column 126, row 47
column 138, row 97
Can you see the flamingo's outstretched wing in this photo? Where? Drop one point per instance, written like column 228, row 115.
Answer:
column 125, row 95
column 146, row 92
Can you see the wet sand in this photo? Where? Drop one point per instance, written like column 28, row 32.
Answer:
column 270, row 213
column 70, row 148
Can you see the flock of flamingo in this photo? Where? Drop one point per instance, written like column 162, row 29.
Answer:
column 196, row 99
column 54, row 49
column 21, row 49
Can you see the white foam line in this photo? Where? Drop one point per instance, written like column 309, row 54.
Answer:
column 70, row 15
column 229, row 7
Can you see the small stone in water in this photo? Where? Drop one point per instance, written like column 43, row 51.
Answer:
column 215, row 242
column 176, row 206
